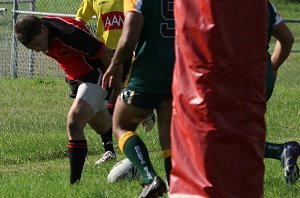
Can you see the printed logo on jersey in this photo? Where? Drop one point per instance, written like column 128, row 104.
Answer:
column 113, row 20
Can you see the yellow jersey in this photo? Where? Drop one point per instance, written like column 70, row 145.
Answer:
column 110, row 19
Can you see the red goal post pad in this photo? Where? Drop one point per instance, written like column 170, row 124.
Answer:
column 218, row 126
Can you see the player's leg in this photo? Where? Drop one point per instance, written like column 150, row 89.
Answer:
column 149, row 122
column 78, row 116
column 127, row 116
column 102, row 124
column 164, row 113
column 106, row 138
column 124, row 128
column 273, row 150
column 102, row 121
column 288, row 152
column 87, row 102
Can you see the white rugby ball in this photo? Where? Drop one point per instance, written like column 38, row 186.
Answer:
column 123, row 170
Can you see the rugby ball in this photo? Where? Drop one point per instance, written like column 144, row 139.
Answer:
column 123, row 170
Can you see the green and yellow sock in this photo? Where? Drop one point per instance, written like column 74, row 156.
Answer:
column 136, row 151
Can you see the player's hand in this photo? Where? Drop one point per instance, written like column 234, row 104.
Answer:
column 113, row 76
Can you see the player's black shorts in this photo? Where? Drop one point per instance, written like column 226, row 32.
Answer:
column 143, row 100
column 93, row 77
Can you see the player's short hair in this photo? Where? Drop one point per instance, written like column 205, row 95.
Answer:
column 27, row 28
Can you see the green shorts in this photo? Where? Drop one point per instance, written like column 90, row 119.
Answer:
column 143, row 100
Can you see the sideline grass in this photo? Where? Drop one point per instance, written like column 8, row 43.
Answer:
column 33, row 160
column 33, row 145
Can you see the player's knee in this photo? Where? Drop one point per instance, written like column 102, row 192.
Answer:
column 117, row 132
column 74, row 124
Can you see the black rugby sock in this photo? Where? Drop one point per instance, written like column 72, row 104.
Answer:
column 107, row 141
column 77, row 153
column 273, row 151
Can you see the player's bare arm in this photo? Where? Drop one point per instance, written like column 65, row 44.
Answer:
column 130, row 35
column 106, row 56
column 283, row 44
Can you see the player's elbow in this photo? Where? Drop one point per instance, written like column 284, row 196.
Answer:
column 290, row 40
column 287, row 42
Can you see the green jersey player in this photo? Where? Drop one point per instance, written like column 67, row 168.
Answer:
column 149, row 31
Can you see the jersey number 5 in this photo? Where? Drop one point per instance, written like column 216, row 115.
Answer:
column 167, row 28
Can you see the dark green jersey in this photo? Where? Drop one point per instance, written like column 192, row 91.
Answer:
column 273, row 19
column 153, row 64
column 272, row 13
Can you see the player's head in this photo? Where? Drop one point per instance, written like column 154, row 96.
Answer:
column 32, row 33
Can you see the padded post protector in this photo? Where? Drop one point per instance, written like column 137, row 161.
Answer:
column 218, row 126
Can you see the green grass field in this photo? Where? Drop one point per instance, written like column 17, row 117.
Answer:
column 33, row 158
column 33, row 143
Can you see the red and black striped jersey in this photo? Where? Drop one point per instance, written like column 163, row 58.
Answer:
column 73, row 47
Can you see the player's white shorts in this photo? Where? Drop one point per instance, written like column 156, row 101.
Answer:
column 92, row 94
